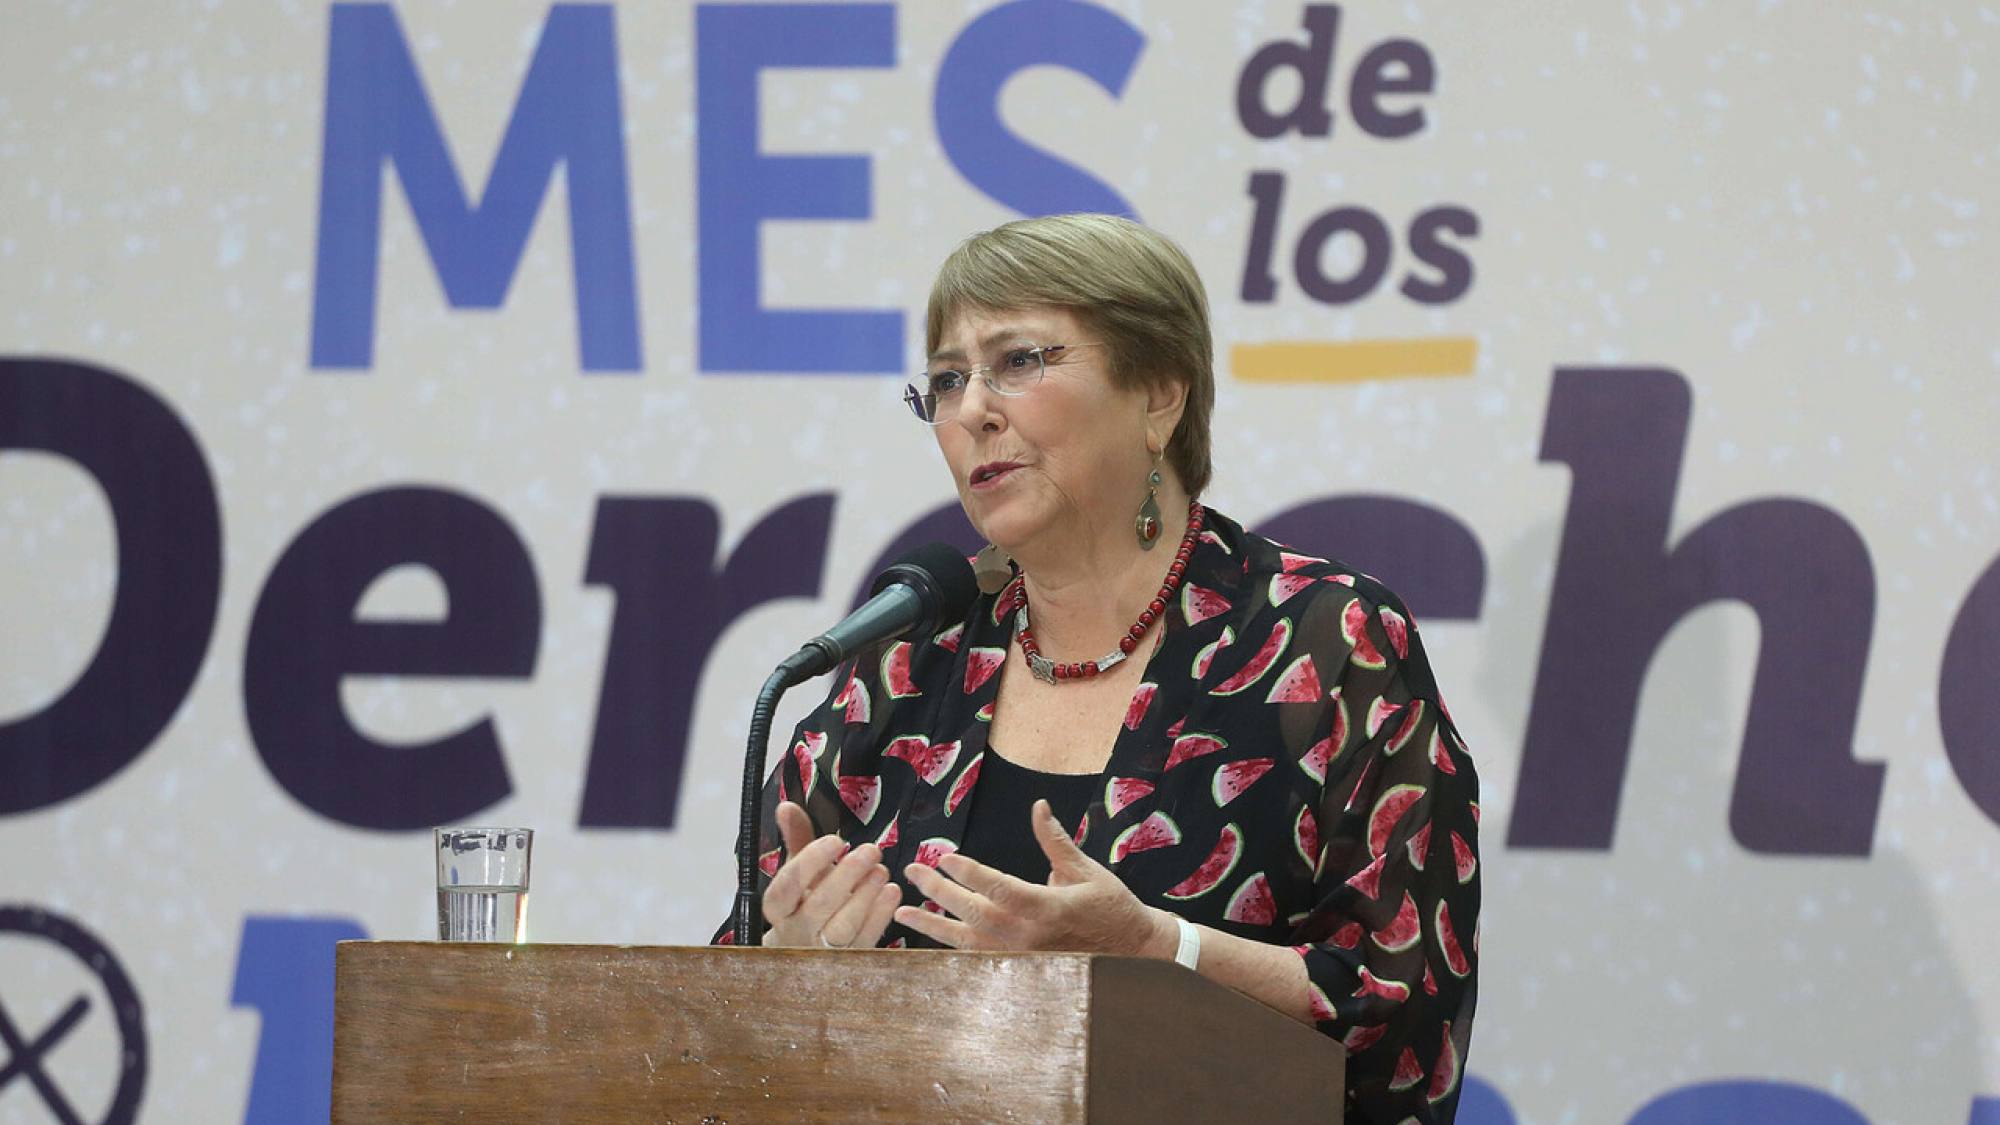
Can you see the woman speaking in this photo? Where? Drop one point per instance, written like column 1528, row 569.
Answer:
column 1157, row 734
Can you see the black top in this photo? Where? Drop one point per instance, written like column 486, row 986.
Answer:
column 1000, row 833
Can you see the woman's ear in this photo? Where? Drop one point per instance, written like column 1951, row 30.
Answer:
column 1165, row 402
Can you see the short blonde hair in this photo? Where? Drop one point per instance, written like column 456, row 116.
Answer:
column 1132, row 285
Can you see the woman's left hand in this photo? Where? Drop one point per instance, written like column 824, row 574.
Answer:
column 1084, row 908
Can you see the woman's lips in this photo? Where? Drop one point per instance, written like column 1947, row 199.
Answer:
column 992, row 473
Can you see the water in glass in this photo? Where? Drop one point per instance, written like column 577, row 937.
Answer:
column 483, row 914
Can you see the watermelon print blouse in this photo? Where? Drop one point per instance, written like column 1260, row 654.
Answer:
column 1286, row 772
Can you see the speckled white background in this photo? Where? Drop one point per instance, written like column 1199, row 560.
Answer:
column 1789, row 203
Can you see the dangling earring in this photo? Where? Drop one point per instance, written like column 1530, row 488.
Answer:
column 993, row 568
column 1148, row 525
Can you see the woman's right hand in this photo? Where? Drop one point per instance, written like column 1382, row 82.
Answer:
column 823, row 897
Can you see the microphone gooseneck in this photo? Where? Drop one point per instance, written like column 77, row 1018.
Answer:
column 915, row 596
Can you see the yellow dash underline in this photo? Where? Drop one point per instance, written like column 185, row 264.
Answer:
column 1353, row 361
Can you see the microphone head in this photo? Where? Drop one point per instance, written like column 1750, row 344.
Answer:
column 941, row 578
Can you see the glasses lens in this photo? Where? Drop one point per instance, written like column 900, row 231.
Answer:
column 1017, row 371
column 921, row 403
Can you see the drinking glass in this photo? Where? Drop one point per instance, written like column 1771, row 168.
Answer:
column 482, row 883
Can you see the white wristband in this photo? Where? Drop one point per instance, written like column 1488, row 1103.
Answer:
column 1189, row 953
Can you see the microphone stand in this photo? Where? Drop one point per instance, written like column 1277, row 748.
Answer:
column 749, row 905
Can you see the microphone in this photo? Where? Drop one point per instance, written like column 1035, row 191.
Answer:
column 916, row 595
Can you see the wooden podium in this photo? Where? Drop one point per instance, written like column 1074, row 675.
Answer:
column 430, row 1031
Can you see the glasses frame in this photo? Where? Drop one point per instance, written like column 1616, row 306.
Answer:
column 914, row 398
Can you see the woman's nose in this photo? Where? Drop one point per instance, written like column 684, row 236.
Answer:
column 978, row 406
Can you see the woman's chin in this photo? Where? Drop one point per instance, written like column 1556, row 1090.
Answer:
column 1006, row 526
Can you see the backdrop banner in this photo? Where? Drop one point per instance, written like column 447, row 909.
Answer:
column 430, row 413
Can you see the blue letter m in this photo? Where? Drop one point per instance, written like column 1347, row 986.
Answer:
column 567, row 112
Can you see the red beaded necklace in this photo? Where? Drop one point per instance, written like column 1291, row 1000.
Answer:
column 1015, row 598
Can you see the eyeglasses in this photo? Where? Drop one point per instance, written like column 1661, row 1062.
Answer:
column 934, row 395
